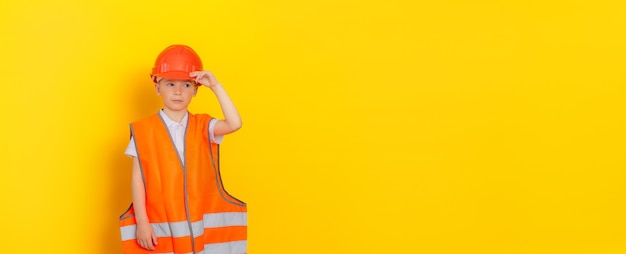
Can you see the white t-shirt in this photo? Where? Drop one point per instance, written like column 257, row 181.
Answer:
column 177, row 133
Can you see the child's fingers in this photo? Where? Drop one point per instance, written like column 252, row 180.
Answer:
column 205, row 76
column 154, row 239
column 149, row 245
column 146, row 244
column 199, row 75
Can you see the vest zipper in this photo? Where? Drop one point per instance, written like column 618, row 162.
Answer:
column 193, row 239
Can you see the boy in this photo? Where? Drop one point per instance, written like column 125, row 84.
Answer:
column 179, row 202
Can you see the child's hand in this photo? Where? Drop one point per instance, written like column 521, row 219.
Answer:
column 146, row 237
column 206, row 78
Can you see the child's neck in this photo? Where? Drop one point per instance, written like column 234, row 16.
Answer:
column 176, row 116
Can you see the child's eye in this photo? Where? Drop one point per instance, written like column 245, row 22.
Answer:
column 187, row 85
column 170, row 84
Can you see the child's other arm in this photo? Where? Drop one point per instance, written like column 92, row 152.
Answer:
column 145, row 235
column 232, row 120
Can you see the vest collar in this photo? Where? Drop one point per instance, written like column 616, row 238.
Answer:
column 169, row 122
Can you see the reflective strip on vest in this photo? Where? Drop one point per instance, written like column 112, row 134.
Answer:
column 221, row 248
column 181, row 228
column 228, row 247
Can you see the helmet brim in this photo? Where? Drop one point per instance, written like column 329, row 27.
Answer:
column 174, row 75
column 180, row 75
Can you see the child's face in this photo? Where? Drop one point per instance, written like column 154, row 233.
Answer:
column 176, row 94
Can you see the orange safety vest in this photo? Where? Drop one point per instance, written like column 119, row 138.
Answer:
column 187, row 206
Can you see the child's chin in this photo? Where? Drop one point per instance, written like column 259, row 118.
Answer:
column 177, row 107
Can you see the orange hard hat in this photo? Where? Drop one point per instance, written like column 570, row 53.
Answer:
column 176, row 62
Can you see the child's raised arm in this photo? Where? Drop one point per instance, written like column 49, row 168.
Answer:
column 232, row 120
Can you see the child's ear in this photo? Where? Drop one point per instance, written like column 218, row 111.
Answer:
column 195, row 91
column 157, row 88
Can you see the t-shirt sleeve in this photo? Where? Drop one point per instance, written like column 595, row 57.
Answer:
column 131, row 150
column 212, row 137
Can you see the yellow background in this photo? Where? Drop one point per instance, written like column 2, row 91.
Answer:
column 369, row 126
